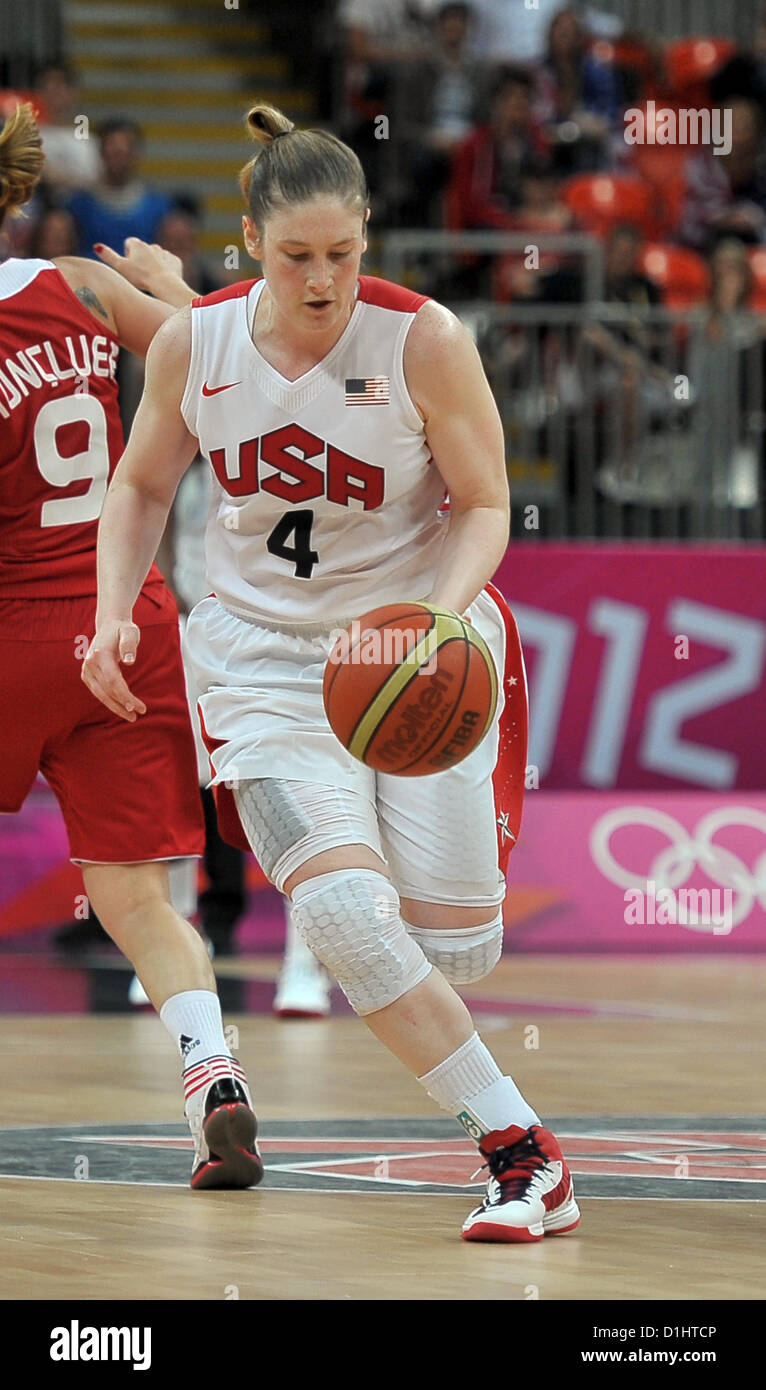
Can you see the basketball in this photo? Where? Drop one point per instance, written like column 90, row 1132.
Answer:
column 410, row 689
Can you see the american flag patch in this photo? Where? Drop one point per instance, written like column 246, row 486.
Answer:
column 368, row 390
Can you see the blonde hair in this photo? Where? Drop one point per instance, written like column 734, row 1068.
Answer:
column 21, row 159
column 303, row 165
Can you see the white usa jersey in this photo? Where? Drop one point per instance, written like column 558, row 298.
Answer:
column 326, row 501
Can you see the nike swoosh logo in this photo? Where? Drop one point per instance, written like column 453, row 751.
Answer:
column 213, row 390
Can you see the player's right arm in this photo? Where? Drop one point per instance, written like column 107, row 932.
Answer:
column 135, row 511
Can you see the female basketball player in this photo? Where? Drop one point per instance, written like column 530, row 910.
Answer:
column 335, row 411
column 128, row 796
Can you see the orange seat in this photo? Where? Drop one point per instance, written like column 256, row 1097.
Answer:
column 757, row 258
column 691, row 61
column 599, row 201
column 662, row 166
column 627, row 53
column 10, row 99
column 681, row 275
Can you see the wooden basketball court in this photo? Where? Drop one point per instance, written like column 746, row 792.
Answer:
column 650, row 1070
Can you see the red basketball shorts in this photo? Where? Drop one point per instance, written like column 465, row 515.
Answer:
column 128, row 792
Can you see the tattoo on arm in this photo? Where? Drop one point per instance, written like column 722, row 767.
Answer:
column 91, row 301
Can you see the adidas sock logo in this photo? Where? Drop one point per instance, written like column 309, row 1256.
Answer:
column 187, row 1044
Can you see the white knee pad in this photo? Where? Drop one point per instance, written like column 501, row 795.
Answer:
column 350, row 920
column 289, row 822
column 464, row 955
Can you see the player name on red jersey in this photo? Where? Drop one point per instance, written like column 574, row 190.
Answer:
column 50, row 363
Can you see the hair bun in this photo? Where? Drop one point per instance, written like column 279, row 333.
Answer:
column 266, row 123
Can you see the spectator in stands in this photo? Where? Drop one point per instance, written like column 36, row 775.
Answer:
column 744, row 75
column 379, row 38
column 384, row 31
column 487, row 184
column 542, row 207
column 179, row 232
column 439, row 110
column 630, row 344
column 726, row 193
column 72, row 158
column 634, row 389
column 618, row 366
column 510, row 31
column 120, row 204
column 731, row 283
column 449, row 81
column 542, row 211
column 55, row 234
column 726, row 363
column 577, row 97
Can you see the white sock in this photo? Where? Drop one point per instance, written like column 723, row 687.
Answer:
column 193, row 1020
column 472, row 1087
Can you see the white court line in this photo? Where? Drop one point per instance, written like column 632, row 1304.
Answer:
column 329, row 1192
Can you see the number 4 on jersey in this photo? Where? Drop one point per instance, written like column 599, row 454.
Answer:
column 301, row 555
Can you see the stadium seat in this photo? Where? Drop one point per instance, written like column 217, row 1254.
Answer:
column 632, row 57
column 10, row 99
column 662, row 166
column 689, row 62
column 663, row 169
column 598, row 201
column 681, row 275
column 757, row 258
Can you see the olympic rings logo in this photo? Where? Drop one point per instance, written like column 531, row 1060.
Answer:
column 673, row 865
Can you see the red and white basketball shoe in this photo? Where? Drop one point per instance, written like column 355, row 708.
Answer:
column 219, row 1109
column 529, row 1191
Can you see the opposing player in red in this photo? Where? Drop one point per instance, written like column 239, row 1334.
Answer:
column 128, row 795
column 335, row 410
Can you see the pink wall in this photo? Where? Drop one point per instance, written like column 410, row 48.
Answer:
column 618, row 699
column 580, row 852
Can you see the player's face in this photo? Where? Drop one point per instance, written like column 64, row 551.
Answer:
column 310, row 255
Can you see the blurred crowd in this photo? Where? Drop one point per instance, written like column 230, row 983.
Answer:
column 93, row 190
column 485, row 115
column 493, row 116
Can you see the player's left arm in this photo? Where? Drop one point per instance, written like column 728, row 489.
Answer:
column 446, row 380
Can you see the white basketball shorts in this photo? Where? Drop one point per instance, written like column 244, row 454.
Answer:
column 445, row 837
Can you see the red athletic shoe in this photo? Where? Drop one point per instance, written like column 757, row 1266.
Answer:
column 219, row 1110
column 529, row 1191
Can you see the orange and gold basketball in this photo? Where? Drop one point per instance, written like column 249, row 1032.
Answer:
column 410, row 689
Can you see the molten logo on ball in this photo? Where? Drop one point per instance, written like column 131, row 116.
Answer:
column 421, row 718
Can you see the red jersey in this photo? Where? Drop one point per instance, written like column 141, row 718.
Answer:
column 60, row 433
